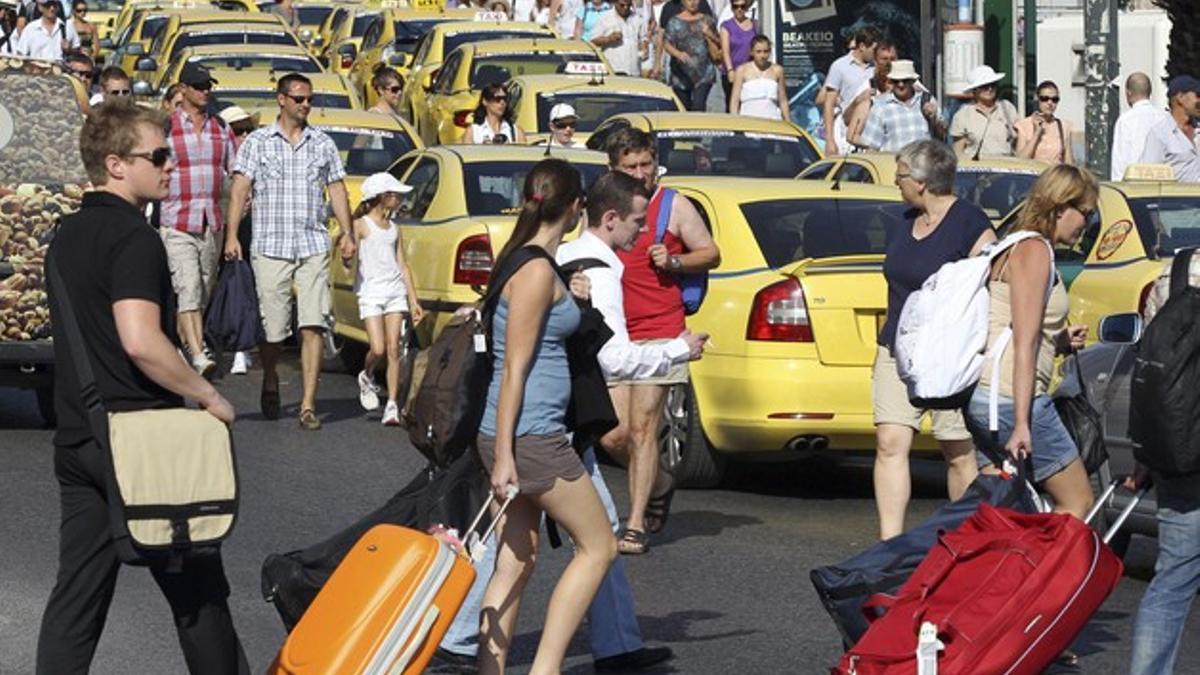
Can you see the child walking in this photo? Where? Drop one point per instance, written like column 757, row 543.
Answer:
column 385, row 289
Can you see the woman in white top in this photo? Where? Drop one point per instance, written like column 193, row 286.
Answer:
column 493, row 124
column 385, row 289
column 758, row 85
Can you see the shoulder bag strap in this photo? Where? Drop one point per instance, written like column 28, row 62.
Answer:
column 982, row 137
column 1180, row 270
column 1062, row 141
column 665, row 197
column 515, row 261
column 90, row 393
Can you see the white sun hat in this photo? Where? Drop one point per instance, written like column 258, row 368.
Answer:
column 980, row 76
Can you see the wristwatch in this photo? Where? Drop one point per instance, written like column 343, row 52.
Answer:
column 675, row 262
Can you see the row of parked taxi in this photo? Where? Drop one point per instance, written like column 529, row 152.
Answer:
column 794, row 307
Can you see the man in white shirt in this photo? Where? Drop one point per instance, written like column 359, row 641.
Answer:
column 621, row 35
column 1133, row 126
column 48, row 37
column 1173, row 140
column 843, row 82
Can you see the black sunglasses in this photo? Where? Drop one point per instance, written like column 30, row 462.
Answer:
column 395, row 88
column 499, row 98
column 81, row 10
column 158, row 157
column 1049, row 99
column 300, row 100
column 739, row 6
column 242, row 131
column 565, row 125
column 207, row 86
column 119, row 92
column 86, row 74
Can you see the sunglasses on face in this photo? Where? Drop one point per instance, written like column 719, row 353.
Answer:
column 395, row 88
column 501, row 99
column 300, row 100
column 119, row 92
column 1086, row 213
column 207, row 86
column 241, row 132
column 739, row 6
column 158, row 157
column 83, row 74
column 565, row 125
column 1048, row 99
column 81, row 10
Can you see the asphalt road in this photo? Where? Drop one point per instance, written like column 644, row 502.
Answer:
column 726, row 585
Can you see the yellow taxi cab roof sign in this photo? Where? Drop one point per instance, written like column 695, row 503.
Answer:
column 491, row 16
column 585, row 68
column 1150, row 172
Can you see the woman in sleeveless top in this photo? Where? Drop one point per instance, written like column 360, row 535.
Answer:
column 523, row 436
column 1024, row 297
column 385, row 289
column 88, row 44
column 758, row 86
column 736, row 36
column 1042, row 135
column 388, row 86
column 493, row 121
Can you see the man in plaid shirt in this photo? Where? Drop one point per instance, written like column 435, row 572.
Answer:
column 899, row 117
column 289, row 165
column 202, row 145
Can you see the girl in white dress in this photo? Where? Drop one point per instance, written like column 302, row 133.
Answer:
column 493, row 123
column 759, row 89
column 385, row 288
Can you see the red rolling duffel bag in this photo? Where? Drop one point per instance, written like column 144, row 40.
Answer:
column 1006, row 592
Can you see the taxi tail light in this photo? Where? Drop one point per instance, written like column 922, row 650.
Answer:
column 1143, row 297
column 473, row 261
column 780, row 314
column 462, row 118
column 347, row 61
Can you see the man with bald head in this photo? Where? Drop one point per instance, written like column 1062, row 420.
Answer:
column 1133, row 126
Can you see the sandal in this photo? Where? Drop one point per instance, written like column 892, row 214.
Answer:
column 633, row 542
column 308, row 420
column 658, row 509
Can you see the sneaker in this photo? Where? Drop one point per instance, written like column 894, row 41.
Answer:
column 391, row 414
column 367, row 395
column 241, row 363
column 204, row 365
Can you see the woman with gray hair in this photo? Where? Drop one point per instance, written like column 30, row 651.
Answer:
column 939, row 228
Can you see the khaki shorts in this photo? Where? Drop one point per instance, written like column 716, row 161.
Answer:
column 678, row 374
column 276, row 279
column 193, row 262
column 890, row 400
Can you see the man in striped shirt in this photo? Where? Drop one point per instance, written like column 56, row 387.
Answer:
column 191, row 218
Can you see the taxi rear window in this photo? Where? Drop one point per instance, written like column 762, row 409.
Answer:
column 231, row 38
column 501, row 68
column 452, row 42
column 367, row 151
column 1166, row 224
column 283, row 64
column 788, row 230
column 361, row 23
column 409, row 33
column 494, row 188
column 594, row 108
column 732, row 153
column 314, row 16
column 256, row 98
column 996, row 192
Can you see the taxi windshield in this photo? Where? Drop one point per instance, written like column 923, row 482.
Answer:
column 367, row 151
column 105, row 5
column 1167, row 224
column 595, row 107
column 231, row 38
column 500, row 68
column 314, row 15
column 996, row 192
column 362, row 22
column 452, row 41
column 788, row 230
column 494, row 188
column 152, row 26
column 285, row 64
column 733, row 153
column 409, row 33
column 256, row 98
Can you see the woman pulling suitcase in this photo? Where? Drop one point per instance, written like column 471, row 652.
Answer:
column 522, row 439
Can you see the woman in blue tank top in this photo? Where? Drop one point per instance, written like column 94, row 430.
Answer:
column 522, row 439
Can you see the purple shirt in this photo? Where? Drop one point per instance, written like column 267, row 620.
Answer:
column 739, row 42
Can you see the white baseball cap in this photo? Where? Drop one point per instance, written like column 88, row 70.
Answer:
column 382, row 183
column 562, row 111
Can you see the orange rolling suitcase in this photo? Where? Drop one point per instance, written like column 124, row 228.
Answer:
column 386, row 606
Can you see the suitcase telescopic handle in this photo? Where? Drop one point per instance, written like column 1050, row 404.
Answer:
column 476, row 546
column 1125, row 512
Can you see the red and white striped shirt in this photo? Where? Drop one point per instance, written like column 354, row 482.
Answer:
column 201, row 162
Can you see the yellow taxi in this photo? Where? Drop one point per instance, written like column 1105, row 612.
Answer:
column 461, row 211
column 1137, row 227
column 793, row 309
column 594, row 97
column 445, row 38
column 454, row 95
column 312, row 13
column 267, row 31
column 339, row 38
column 254, row 89
column 392, row 39
column 691, row 143
column 103, row 15
column 994, row 184
column 276, row 58
column 137, row 25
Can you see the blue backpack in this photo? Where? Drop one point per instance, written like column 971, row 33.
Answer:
column 693, row 286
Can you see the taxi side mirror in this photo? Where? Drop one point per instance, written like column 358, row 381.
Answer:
column 146, row 65
column 1122, row 329
column 306, row 36
column 134, row 49
column 427, row 81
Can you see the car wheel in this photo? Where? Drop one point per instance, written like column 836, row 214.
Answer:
column 683, row 449
column 45, row 405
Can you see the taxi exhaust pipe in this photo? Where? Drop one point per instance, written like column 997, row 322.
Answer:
column 798, row 444
column 807, row 443
column 819, row 443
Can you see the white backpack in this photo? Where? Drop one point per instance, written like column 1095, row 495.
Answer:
column 941, row 338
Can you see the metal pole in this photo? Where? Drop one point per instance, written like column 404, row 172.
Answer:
column 1100, row 67
column 1030, row 55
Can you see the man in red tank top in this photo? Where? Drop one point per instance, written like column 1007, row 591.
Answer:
column 654, row 313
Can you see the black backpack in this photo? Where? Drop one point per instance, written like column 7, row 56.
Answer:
column 1164, row 410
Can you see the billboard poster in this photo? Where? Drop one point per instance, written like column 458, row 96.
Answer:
column 811, row 34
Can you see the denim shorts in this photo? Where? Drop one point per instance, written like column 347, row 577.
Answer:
column 1053, row 447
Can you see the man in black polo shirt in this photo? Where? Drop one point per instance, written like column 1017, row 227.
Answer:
column 114, row 269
